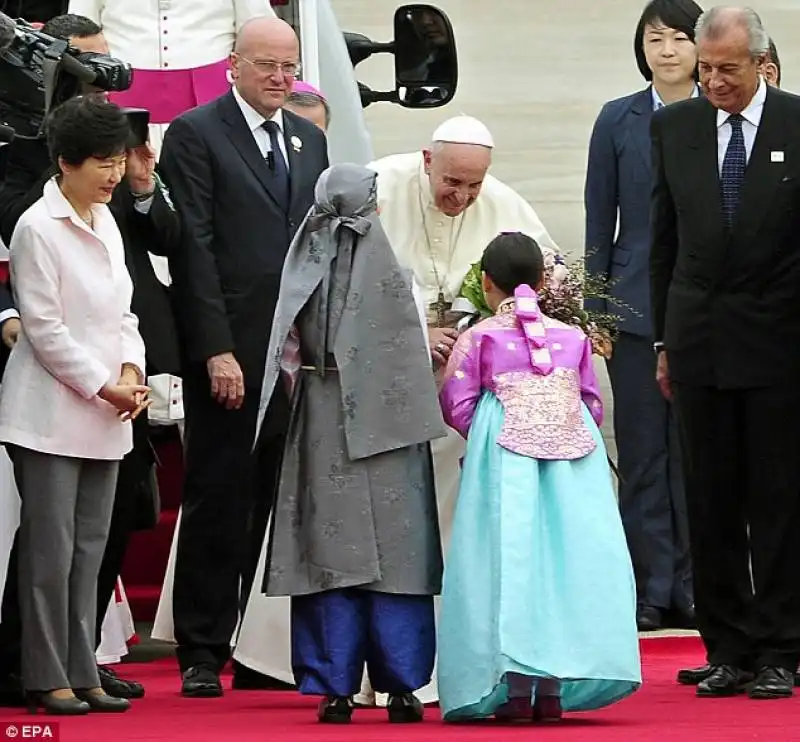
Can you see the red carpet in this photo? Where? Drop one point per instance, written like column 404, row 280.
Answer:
column 661, row 712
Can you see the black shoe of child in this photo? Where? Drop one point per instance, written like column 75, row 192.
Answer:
column 335, row 710
column 405, row 709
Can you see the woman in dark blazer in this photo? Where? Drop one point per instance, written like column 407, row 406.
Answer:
column 617, row 199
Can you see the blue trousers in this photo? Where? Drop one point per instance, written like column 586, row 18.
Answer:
column 651, row 494
column 337, row 632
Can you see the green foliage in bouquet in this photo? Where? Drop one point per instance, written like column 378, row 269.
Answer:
column 472, row 291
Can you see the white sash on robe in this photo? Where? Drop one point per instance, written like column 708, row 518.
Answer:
column 117, row 629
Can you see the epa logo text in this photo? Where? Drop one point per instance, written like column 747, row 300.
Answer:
column 31, row 731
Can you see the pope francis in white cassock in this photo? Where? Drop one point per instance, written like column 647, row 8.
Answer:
column 440, row 209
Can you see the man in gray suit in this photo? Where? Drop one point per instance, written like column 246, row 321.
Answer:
column 618, row 191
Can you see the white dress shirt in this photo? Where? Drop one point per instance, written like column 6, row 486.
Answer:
column 73, row 293
column 255, row 122
column 658, row 103
column 171, row 34
column 752, row 119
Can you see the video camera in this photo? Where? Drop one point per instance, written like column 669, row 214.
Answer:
column 37, row 72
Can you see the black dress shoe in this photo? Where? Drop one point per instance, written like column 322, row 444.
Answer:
column 405, row 709
column 648, row 618
column 102, row 702
column 118, row 687
column 772, row 682
column 200, row 682
column 722, row 681
column 335, row 710
column 694, row 675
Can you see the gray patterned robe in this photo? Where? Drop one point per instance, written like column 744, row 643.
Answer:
column 356, row 504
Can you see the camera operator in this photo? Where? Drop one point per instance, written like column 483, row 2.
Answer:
column 148, row 224
column 28, row 159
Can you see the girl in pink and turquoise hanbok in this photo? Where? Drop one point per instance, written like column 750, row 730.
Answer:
column 538, row 610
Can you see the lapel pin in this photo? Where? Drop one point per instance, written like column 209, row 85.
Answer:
column 297, row 143
column 776, row 156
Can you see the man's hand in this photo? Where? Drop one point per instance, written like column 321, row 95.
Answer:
column 442, row 340
column 662, row 375
column 130, row 375
column 10, row 332
column 140, row 169
column 227, row 380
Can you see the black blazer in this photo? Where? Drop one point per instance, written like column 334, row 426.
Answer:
column 39, row 11
column 159, row 231
column 727, row 307
column 236, row 235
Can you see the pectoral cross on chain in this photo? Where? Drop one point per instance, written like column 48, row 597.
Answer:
column 441, row 307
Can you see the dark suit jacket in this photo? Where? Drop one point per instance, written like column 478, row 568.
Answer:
column 34, row 10
column 727, row 307
column 236, row 235
column 618, row 184
column 29, row 168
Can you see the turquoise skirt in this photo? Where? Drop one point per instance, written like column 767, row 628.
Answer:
column 538, row 579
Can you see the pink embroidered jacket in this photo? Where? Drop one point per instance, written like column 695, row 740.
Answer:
column 541, row 371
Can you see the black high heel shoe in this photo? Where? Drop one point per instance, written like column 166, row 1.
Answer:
column 103, row 702
column 56, row 706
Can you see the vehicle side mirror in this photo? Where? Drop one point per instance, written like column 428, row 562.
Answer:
column 360, row 47
column 426, row 65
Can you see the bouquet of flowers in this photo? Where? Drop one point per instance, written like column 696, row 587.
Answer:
column 566, row 287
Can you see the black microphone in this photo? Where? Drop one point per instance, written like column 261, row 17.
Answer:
column 7, row 134
column 271, row 160
column 8, row 31
column 78, row 70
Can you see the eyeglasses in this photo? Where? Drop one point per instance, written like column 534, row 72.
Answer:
column 267, row 67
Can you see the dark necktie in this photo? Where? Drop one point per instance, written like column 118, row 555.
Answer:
column 277, row 164
column 733, row 167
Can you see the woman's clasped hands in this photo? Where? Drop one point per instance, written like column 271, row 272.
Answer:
column 128, row 395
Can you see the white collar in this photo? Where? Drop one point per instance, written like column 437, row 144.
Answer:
column 754, row 109
column 659, row 103
column 252, row 117
column 507, row 305
column 59, row 206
